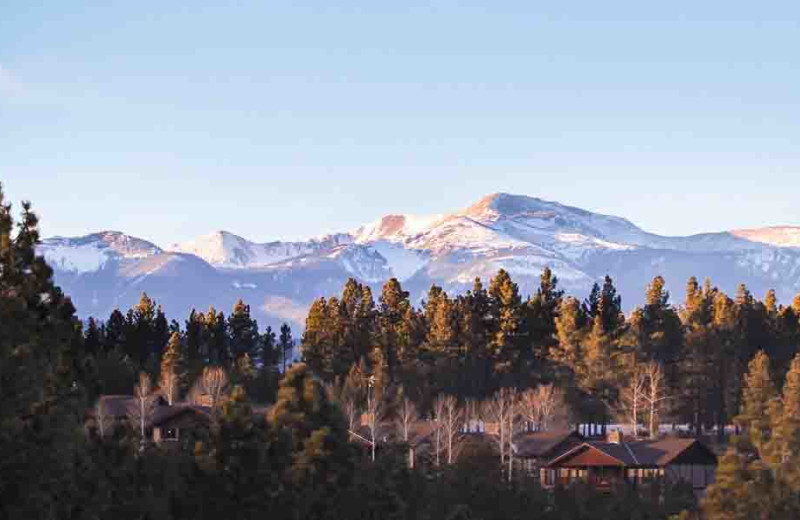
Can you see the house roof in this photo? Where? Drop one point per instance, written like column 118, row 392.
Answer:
column 165, row 413
column 118, row 407
column 542, row 444
column 658, row 453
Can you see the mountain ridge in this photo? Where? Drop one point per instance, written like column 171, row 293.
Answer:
column 518, row 233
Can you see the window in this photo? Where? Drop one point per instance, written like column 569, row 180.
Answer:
column 547, row 475
column 169, row 434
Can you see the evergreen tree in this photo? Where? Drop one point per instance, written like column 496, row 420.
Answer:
column 243, row 332
column 786, row 424
column 758, row 400
column 508, row 342
column 696, row 366
column 358, row 310
column 43, row 379
column 317, row 352
column 173, row 371
column 394, row 314
column 440, row 314
column 541, row 318
column 115, row 333
column 739, row 493
column 194, row 336
column 93, row 338
column 286, row 345
column 216, row 337
column 312, row 433
column 473, row 315
column 269, row 353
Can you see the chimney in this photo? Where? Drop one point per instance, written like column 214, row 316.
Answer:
column 615, row 437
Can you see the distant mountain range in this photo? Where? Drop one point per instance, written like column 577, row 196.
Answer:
column 520, row 234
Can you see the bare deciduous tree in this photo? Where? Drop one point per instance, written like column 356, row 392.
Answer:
column 632, row 398
column 656, row 394
column 170, row 384
column 551, row 402
column 374, row 416
column 501, row 412
column 351, row 411
column 210, row 389
column 406, row 417
column 142, row 408
column 539, row 406
column 101, row 417
column 438, row 430
column 450, row 417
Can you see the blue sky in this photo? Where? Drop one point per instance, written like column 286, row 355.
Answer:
column 291, row 119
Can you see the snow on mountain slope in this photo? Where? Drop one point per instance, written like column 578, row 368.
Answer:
column 92, row 252
column 224, row 249
column 779, row 236
column 395, row 228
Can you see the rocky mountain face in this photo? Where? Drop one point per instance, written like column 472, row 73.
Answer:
column 520, row 234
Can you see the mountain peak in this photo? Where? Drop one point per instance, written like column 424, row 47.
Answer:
column 509, row 205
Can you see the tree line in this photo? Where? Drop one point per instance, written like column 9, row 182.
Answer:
column 684, row 362
column 143, row 340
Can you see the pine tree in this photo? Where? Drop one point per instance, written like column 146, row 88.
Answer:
column 739, row 493
column 312, row 433
column 173, row 369
column 268, row 351
column 758, row 398
column 116, row 330
column 440, row 313
column 598, row 369
column 286, row 345
column 507, row 343
column 570, row 327
column 393, row 315
column 696, row 365
column 542, row 311
column 473, row 314
column 786, row 424
column 243, row 331
column 141, row 324
column 92, row 338
column 216, row 334
column 194, row 336
column 315, row 346
column 358, row 321
column 43, row 378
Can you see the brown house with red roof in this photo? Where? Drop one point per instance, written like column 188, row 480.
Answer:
column 616, row 461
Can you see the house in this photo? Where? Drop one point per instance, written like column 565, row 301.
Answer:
column 532, row 450
column 163, row 423
column 615, row 461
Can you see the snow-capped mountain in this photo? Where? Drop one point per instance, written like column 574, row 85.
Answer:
column 520, row 234
column 92, row 252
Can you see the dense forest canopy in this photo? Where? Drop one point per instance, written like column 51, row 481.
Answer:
column 279, row 442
